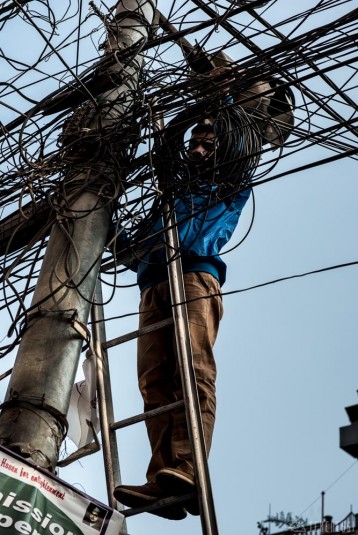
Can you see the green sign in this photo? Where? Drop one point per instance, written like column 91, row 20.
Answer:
column 34, row 502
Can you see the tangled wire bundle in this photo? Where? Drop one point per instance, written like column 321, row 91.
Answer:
column 236, row 151
column 311, row 48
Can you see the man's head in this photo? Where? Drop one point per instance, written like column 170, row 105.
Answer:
column 94, row 515
column 202, row 142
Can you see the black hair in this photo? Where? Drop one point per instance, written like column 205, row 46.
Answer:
column 202, row 128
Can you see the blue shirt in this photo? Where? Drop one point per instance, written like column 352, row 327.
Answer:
column 205, row 225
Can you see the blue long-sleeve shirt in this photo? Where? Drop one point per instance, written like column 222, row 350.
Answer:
column 205, row 226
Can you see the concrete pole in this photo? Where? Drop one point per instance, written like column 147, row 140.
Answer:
column 33, row 419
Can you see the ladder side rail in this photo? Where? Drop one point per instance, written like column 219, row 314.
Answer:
column 189, row 385
column 105, row 402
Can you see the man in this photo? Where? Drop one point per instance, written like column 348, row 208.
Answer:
column 205, row 225
column 94, row 516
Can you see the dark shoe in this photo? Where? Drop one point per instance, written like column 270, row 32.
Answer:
column 138, row 496
column 143, row 495
column 175, row 481
column 192, row 506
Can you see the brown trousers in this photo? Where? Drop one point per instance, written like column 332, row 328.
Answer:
column 158, row 372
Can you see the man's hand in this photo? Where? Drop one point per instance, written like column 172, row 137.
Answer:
column 223, row 78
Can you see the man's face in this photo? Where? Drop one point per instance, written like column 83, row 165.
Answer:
column 94, row 516
column 202, row 145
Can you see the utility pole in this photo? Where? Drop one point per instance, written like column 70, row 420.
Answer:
column 33, row 419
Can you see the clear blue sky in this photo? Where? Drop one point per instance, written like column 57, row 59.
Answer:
column 286, row 353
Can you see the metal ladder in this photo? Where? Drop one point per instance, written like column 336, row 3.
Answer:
column 189, row 387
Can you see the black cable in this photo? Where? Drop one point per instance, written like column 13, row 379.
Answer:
column 33, row 164
column 249, row 288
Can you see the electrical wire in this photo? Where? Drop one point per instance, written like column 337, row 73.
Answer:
column 42, row 154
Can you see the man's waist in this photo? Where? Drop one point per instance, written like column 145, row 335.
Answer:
column 156, row 273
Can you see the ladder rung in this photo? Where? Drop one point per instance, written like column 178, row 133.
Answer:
column 146, row 415
column 137, row 333
column 157, row 504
